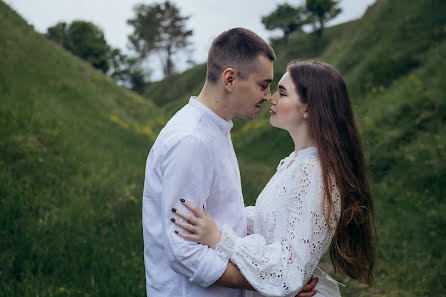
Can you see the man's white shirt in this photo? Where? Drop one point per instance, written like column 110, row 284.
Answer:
column 193, row 158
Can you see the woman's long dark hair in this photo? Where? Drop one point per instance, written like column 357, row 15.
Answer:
column 332, row 127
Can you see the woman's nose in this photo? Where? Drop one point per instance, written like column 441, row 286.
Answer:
column 272, row 99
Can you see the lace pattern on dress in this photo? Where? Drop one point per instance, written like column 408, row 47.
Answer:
column 290, row 234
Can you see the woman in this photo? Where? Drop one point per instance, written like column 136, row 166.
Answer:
column 318, row 200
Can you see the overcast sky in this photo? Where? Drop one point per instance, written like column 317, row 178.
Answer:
column 208, row 18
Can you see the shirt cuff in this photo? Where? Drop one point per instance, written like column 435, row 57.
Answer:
column 225, row 248
column 210, row 270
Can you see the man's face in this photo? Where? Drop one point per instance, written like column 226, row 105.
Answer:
column 249, row 94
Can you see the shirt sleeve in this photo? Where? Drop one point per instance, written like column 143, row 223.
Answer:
column 187, row 171
column 250, row 214
column 301, row 236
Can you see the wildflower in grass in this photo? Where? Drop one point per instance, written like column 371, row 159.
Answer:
column 115, row 119
column 416, row 81
column 367, row 121
column 138, row 99
column 381, row 89
column 161, row 121
column 133, row 199
column 419, row 83
column 60, row 291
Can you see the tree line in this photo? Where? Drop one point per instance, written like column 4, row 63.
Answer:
column 160, row 29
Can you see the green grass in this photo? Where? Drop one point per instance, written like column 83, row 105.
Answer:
column 73, row 148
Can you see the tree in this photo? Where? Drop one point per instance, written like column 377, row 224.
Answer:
column 159, row 28
column 88, row 42
column 286, row 18
column 322, row 11
column 83, row 39
column 59, row 34
column 128, row 71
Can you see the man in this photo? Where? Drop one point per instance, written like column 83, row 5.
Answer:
column 193, row 158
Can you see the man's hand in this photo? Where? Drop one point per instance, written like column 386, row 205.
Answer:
column 307, row 290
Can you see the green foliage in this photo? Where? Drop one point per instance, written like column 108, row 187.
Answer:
column 286, row 18
column 159, row 28
column 83, row 39
column 322, row 11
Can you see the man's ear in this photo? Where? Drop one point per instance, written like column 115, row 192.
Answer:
column 228, row 77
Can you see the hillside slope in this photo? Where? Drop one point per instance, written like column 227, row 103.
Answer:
column 73, row 149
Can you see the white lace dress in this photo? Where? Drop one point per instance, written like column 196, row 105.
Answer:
column 287, row 232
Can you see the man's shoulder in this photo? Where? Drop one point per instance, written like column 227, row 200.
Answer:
column 178, row 136
column 186, row 124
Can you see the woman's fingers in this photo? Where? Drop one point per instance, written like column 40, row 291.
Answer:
column 184, row 225
column 191, row 237
column 195, row 210
column 190, row 218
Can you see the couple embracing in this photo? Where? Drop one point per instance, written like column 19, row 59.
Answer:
column 200, row 239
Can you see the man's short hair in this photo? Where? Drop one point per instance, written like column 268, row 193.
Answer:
column 236, row 48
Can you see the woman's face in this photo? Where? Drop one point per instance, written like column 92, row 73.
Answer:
column 287, row 111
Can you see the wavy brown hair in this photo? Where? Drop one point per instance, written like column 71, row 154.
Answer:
column 333, row 129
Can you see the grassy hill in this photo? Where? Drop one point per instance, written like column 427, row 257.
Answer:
column 393, row 60
column 73, row 147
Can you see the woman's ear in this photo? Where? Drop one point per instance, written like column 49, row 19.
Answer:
column 228, row 77
column 306, row 114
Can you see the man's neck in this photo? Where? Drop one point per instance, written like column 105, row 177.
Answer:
column 214, row 100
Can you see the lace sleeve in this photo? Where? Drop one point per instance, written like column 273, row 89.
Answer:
column 301, row 236
column 250, row 212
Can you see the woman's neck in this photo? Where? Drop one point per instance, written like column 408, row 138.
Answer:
column 301, row 138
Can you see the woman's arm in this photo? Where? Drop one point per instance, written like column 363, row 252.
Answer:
column 250, row 214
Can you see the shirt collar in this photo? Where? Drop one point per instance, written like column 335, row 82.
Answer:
column 305, row 152
column 224, row 125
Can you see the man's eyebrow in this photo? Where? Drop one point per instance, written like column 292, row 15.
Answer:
column 268, row 80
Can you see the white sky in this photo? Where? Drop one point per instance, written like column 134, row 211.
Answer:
column 208, row 18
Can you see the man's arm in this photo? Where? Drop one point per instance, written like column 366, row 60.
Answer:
column 187, row 172
column 233, row 278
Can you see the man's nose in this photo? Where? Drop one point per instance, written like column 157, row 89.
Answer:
column 268, row 97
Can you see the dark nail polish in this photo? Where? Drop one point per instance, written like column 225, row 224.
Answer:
column 176, row 232
column 174, row 209
column 182, row 200
column 173, row 220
